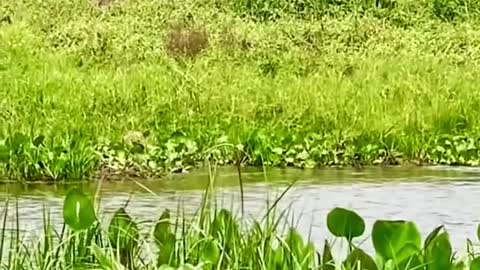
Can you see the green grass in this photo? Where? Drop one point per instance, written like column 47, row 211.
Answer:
column 291, row 83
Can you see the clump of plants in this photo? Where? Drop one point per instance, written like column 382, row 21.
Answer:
column 26, row 158
column 454, row 10
column 272, row 10
column 34, row 158
column 186, row 41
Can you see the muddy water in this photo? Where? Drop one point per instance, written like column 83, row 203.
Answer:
column 429, row 196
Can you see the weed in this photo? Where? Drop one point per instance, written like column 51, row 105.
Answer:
column 186, row 42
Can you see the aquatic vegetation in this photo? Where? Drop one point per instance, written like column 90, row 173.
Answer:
column 35, row 158
column 31, row 159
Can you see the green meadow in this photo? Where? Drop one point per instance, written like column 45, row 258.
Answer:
column 143, row 88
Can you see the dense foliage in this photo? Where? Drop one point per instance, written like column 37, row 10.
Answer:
column 144, row 87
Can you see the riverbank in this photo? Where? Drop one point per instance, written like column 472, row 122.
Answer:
column 147, row 88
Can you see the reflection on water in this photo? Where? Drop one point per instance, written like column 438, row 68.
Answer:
column 429, row 196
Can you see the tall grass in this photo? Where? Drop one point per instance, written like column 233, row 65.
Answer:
column 289, row 83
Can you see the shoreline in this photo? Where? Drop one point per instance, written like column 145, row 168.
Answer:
column 139, row 166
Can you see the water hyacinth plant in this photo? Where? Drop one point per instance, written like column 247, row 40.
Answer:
column 35, row 158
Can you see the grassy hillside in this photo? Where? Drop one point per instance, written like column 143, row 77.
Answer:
column 142, row 87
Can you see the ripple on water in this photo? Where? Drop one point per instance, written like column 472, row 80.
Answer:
column 428, row 196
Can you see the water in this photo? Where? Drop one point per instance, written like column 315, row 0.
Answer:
column 429, row 196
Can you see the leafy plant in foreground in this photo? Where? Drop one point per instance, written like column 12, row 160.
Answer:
column 349, row 225
column 397, row 244
column 165, row 240
column 124, row 236
column 78, row 211
column 220, row 241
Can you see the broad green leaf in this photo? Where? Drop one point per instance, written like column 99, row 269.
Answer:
column 167, row 251
column 18, row 140
column 438, row 253
column 478, row 232
column 60, row 164
column 59, row 150
column 409, row 257
column 295, row 244
column 278, row 258
column 123, row 232
column 223, row 220
column 73, row 144
column 432, row 236
column 226, row 228
column 475, row 264
column 327, row 258
column 146, row 133
column 4, row 153
column 177, row 134
column 105, row 262
column 358, row 259
column 78, row 211
column 162, row 229
column 137, row 148
column 345, row 223
column 210, row 253
column 38, row 141
column 396, row 239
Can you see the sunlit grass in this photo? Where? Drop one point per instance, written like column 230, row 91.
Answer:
column 356, row 85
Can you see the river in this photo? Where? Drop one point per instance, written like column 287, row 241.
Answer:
column 430, row 196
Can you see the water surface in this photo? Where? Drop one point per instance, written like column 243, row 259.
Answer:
column 430, row 196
